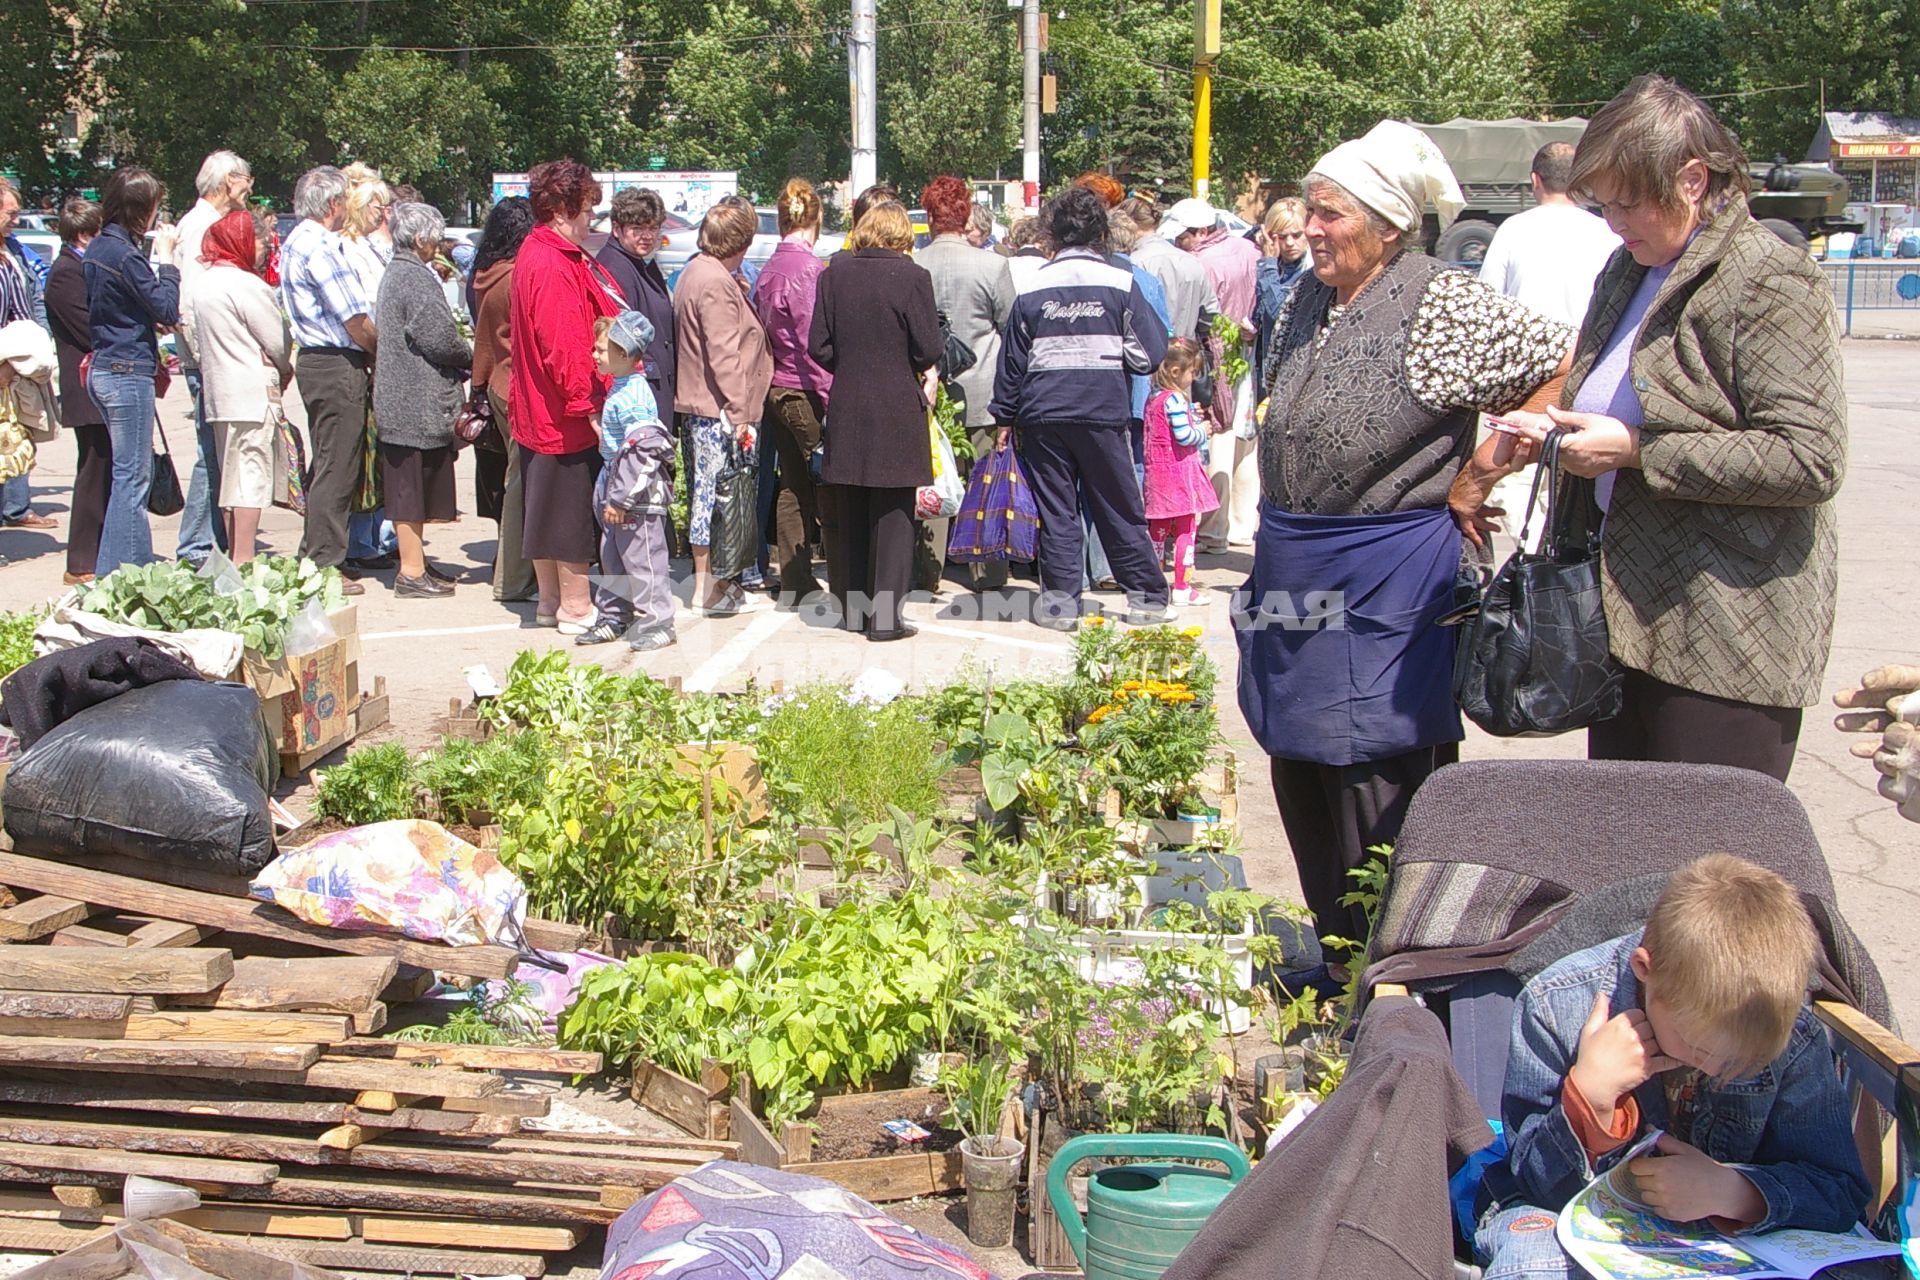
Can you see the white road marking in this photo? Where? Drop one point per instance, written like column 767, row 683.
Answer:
column 734, row 653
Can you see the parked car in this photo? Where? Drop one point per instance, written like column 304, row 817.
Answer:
column 44, row 243
column 678, row 246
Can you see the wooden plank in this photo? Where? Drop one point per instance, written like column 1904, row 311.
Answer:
column 905, row 1176
column 111, row 1094
column 47, row 1237
column 425, row 1082
column 81, row 935
column 174, row 1168
column 252, row 1028
column 50, row 1004
column 439, row 1162
column 240, row 915
column 672, row 1096
column 375, row 1229
column 84, row 1028
column 408, row 1262
column 475, row 1056
column 79, row 1197
column 552, row 935
column 757, row 1145
column 249, row 1220
column 318, row 984
column 513, row 1102
column 345, row 1137
column 168, row 933
column 410, row 984
column 1881, row 1047
column 494, row 1203
column 145, row 1054
column 120, row 972
column 369, row 1020
column 39, row 917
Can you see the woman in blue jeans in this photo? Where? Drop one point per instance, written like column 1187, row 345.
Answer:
column 127, row 300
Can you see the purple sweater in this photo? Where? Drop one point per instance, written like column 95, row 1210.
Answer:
column 1609, row 388
column 784, row 298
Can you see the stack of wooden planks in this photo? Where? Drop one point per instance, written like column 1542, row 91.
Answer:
column 207, row 1040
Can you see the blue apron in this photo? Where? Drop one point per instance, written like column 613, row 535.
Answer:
column 1341, row 658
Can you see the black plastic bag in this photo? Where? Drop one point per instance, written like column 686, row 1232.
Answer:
column 735, row 529
column 176, row 773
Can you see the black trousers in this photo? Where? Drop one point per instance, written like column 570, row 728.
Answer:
column 1661, row 721
column 92, row 479
column 876, row 536
column 1333, row 814
column 1064, row 460
column 333, row 384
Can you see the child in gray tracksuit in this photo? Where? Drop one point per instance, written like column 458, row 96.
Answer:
column 634, row 592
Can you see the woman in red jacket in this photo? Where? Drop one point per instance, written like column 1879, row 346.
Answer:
column 558, row 292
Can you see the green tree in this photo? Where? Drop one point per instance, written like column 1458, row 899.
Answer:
column 950, row 91
column 1125, row 95
column 419, row 120
column 1867, row 51
column 1587, row 50
column 48, row 46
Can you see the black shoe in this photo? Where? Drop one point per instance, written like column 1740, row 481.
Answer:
column 904, row 631
column 1057, row 621
column 440, row 575
column 420, row 588
column 788, row 601
column 371, row 564
column 652, row 638
column 605, row 631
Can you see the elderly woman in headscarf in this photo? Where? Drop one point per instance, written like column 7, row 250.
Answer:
column 1377, row 366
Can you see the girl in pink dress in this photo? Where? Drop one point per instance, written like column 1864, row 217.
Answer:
column 1178, row 491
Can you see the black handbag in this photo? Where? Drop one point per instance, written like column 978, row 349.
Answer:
column 734, row 536
column 1532, row 655
column 163, row 492
column 956, row 356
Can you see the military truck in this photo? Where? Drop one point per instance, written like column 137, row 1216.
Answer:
column 1493, row 159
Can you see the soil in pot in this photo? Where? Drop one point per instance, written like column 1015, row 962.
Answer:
column 992, row 1171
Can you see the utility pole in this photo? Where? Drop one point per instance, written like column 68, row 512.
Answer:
column 863, row 91
column 1030, row 98
column 1206, row 51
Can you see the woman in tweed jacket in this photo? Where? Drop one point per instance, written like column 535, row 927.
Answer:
column 1706, row 399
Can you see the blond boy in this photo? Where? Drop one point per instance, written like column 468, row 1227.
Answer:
column 1699, row 1026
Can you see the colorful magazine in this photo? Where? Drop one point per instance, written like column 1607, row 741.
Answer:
column 1609, row 1232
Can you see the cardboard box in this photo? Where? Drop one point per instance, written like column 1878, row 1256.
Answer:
column 272, row 679
column 736, row 765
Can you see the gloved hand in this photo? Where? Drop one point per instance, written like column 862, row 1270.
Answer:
column 1887, row 702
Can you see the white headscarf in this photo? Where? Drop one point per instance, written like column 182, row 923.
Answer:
column 1396, row 171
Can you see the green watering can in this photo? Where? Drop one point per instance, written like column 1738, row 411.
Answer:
column 1140, row 1216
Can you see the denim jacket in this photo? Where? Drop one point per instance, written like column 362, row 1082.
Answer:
column 1787, row 1128
column 126, row 298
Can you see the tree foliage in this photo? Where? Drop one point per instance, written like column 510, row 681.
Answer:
column 442, row 94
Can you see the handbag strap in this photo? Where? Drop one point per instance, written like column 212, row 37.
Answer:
column 1547, row 472
column 162, row 431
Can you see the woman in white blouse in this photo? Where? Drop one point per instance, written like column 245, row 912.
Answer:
column 244, row 365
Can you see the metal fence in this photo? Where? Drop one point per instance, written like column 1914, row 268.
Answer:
column 1873, row 284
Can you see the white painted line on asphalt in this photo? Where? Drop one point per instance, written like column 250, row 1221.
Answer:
column 734, row 653
column 415, row 634
column 1038, row 646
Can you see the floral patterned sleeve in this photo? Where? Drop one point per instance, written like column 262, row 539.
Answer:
column 1472, row 347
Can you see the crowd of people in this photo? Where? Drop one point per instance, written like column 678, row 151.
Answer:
column 1311, row 392
column 1314, row 393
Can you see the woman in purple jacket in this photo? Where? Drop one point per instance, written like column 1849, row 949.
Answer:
column 797, row 401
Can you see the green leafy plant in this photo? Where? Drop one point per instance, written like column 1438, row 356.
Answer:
column 1233, row 362
column 670, row 1008
column 508, row 1018
column 951, row 417
column 976, row 1092
column 466, row 777
column 16, row 638
column 258, row 600
column 844, row 760
column 373, row 784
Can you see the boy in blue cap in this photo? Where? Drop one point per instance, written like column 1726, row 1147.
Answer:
column 634, row 592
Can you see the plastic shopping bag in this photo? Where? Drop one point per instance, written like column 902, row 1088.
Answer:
column 735, row 545
column 941, row 499
column 998, row 518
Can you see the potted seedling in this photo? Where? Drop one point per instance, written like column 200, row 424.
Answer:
column 990, row 1165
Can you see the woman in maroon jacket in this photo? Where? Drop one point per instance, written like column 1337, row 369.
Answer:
column 72, row 339
column 875, row 329
column 558, row 292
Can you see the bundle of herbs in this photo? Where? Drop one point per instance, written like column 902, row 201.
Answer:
column 258, row 600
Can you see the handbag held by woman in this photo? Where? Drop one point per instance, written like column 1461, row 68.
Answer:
column 163, row 493
column 735, row 544
column 1532, row 657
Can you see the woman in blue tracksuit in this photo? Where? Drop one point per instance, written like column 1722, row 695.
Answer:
column 1069, row 347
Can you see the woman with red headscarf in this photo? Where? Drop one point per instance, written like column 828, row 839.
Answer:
column 244, row 365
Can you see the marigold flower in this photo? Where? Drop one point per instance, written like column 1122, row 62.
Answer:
column 1191, row 633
